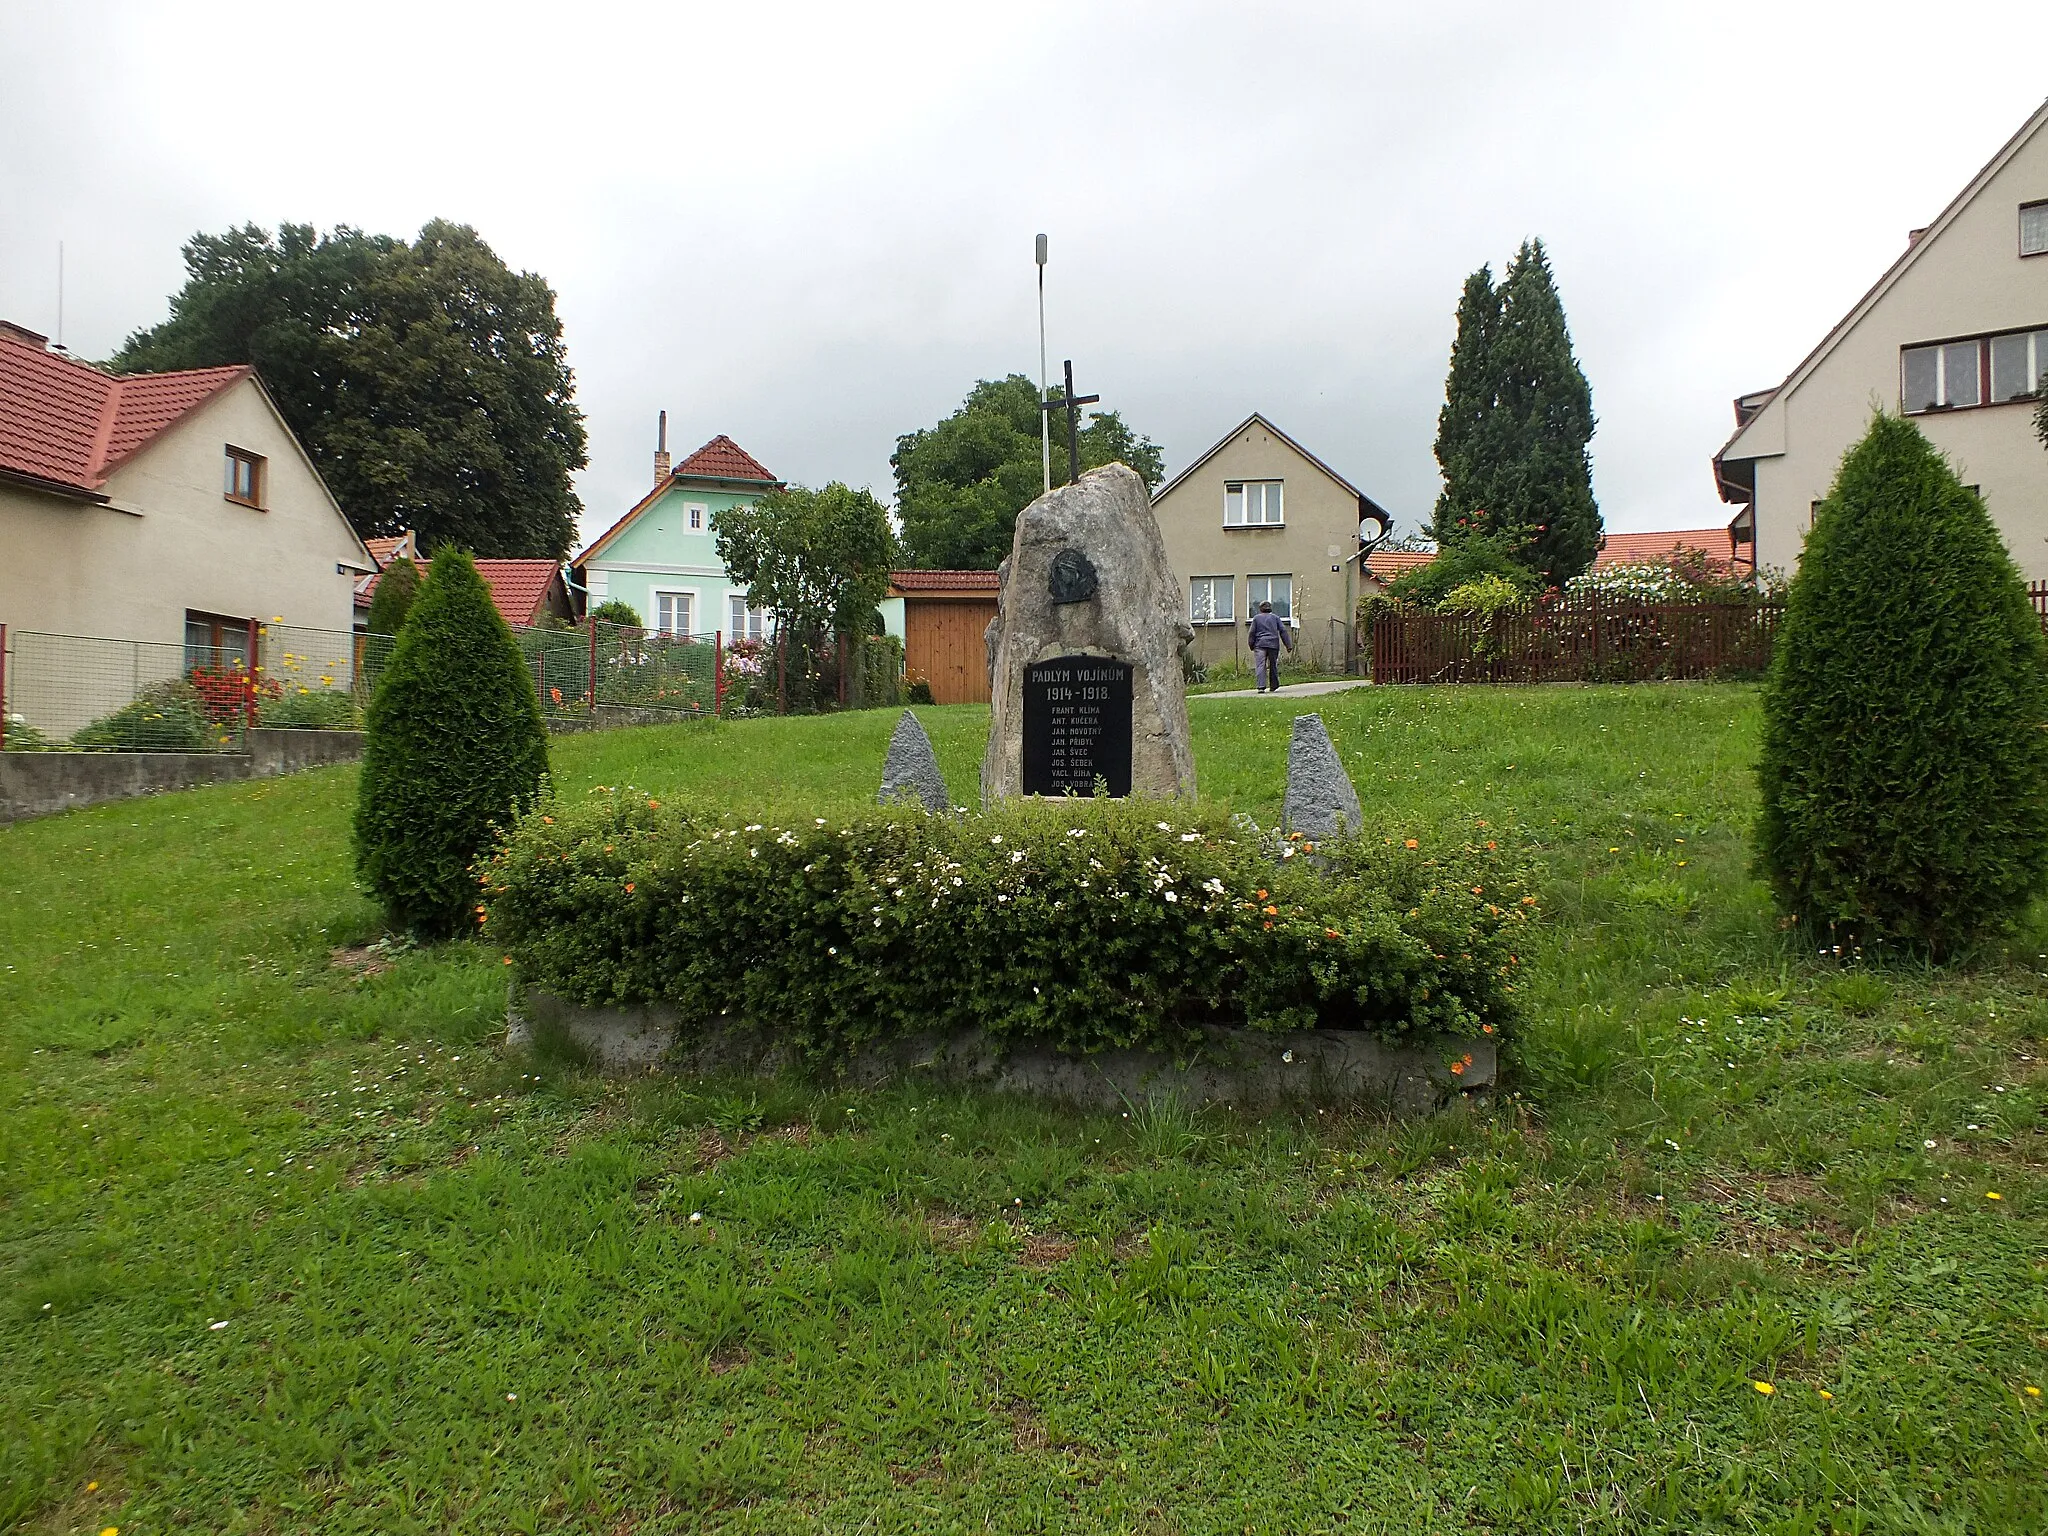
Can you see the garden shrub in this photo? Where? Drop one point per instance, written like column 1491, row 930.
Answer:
column 309, row 708
column 454, row 748
column 1424, row 586
column 617, row 611
column 170, row 716
column 1904, row 769
column 1484, row 595
column 397, row 589
column 1081, row 926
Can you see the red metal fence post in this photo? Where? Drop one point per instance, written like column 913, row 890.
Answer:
column 717, row 672
column 249, row 677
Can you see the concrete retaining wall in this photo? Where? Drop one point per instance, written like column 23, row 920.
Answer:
column 42, row 783
column 1250, row 1068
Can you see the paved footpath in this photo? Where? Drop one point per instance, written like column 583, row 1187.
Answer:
column 1289, row 691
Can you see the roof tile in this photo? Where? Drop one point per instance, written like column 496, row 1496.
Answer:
column 66, row 422
column 723, row 459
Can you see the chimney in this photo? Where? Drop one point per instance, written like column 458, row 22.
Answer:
column 22, row 334
column 661, row 452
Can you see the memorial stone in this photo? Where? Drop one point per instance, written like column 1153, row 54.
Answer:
column 1085, row 650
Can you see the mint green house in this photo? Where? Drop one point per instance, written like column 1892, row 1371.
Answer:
column 662, row 556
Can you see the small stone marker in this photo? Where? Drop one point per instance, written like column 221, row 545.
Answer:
column 1320, row 799
column 1084, row 651
column 911, row 770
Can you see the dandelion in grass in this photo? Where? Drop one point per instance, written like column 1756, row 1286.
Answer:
column 1764, row 1387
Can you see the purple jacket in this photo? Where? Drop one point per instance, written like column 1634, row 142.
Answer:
column 1269, row 634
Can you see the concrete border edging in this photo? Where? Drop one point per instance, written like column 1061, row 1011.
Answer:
column 44, row 783
column 1244, row 1067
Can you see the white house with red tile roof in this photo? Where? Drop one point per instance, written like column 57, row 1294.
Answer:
column 171, row 507
column 662, row 556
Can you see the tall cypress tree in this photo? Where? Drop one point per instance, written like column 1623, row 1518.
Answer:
column 1468, row 407
column 1517, row 418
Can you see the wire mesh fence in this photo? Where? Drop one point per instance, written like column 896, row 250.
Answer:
column 81, row 692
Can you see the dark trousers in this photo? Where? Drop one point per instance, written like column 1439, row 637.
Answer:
column 1266, row 668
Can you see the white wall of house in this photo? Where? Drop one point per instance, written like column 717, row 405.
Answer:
column 1965, row 279
column 170, row 540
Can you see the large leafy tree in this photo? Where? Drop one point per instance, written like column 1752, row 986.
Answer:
column 1517, row 416
column 426, row 378
column 817, row 559
column 960, row 484
column 1904, row 770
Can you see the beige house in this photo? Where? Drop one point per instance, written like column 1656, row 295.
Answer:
column 1955, row 336
column 175, row 509
column 1258, row 518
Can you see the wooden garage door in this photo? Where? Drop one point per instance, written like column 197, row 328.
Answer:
column 942, row 639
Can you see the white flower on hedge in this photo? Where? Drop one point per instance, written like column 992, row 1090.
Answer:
column 1162, row 826
column 1017, row 857
column 753, row 826
column 1077, row 832
column 1191, row 837
column 1213, row 887
column 995, row 840
column 1173, row 896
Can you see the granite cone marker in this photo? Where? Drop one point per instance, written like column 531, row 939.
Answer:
column 1136, row 614
column 911, row 770
column 1321, row 801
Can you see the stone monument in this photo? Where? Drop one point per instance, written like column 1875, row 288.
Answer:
column 911, row 770
column 1085, row 650
column 1320, row 799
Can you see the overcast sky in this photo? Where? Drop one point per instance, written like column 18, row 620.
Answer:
column 810, row 226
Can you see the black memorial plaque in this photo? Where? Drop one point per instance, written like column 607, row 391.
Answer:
column 1077, row 726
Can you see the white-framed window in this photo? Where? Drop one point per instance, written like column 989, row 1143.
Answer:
column 1252, row 504
column 2034, row 229
column 1211, row 599
column 744, row 623
column 1982, row 370
column 693, row 515
column 1277, row 590
column 2017, row 363
column 675, row 613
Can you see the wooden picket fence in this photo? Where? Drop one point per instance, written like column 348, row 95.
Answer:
column 1589, row 639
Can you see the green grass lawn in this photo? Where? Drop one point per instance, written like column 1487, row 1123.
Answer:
column 287, row 1244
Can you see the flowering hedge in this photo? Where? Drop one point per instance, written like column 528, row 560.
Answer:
column 1081, row 926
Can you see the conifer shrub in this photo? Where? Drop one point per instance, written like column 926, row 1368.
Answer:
column 1082, row 926
column 454, row 748
column 1904, row 770
column 397, row 588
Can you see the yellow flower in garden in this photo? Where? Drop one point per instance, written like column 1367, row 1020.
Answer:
column 1992, row 1194
column 2033, row 1391
column 1764, row 1387
column 1827, row 1395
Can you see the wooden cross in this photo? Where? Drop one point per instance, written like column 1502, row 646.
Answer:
column 1072, row 406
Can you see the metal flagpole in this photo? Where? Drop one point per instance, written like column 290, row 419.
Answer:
column 1044, row 422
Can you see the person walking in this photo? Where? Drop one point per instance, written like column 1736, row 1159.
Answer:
column 1268, row 634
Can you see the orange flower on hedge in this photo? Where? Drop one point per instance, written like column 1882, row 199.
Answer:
column 629, row 887
column 1457, row 1069
column 1411, row 843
